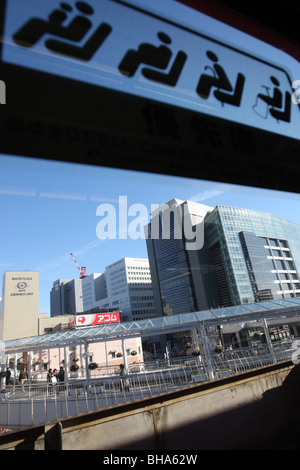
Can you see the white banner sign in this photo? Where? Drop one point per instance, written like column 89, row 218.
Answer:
column 122, row 46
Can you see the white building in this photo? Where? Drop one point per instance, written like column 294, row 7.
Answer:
column 129, row 288
column 125, row 285
column 93, row 291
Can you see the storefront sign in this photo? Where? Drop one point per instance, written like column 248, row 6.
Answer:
column 97, row 319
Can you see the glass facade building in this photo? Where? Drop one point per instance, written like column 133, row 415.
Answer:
column 180, row 278
column 248, row 256
column 176, row 286
column 256, row 255
column 173, row 275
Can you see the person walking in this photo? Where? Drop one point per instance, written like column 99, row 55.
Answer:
column 7, row 376
column 124, row 385
column 54, row 378
column 49, row 376
column 61, row 377
column 51, row 379
column 61, row 374
column 23, row 376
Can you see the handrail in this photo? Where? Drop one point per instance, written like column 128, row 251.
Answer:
column 50, row 433
column 104, row 391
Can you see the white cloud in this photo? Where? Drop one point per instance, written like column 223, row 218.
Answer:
column 210, row 193
column 15, row 192
column 76, row 197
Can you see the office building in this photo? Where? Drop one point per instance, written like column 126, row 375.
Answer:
column 94, row 292
column 255, row 255
column 66, row 297
column 181, row 278
column 72, row 296
column 129, row 288
column 247, row 256
column 19, row 311
column 124, row 286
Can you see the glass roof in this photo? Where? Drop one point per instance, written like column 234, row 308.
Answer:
column 154, row 326
column 238, row 310
column 256, row 307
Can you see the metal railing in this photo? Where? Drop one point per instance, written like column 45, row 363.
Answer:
column 98, row 391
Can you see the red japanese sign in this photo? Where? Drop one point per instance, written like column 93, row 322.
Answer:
column 97, row 318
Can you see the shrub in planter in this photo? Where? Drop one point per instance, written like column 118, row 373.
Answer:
column 256, row 335
column 196, row 352
column 218, row 349
column 133, row 353
column 119, row 354
column 93, row 365
column 74, row 368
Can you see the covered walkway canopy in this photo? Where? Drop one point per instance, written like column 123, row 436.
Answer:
column 159, row 326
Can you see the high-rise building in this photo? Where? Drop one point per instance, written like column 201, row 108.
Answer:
column 66, row 297
column 124, row 286
column 19, row 311
column 255, row 255
column 129, row 288
column 246, row 256
column 94, row 293
column 181, row 279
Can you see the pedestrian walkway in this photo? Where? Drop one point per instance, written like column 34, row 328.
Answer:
column 42, row 402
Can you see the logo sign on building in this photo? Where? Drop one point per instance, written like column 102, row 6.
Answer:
column 97, row 319
column 21, row 286
column 124, row 46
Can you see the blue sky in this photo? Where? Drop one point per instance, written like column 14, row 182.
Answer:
column 48, row 209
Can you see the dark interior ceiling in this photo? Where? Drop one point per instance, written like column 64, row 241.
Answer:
column 276, row 23
column 281, row 17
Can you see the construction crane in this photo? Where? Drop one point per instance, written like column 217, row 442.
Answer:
column 81, row 269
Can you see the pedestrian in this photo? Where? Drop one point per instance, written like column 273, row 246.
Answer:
column 124, row 385
column 23, row 376
column 61, row 374
column 54, row 377
column 7, row 376
column 49, row 376
column 51, row 379
column 61, row 377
